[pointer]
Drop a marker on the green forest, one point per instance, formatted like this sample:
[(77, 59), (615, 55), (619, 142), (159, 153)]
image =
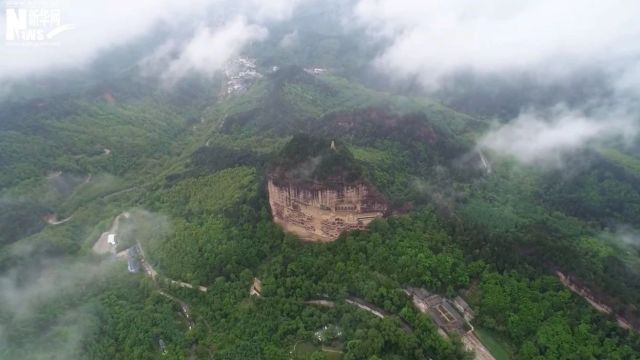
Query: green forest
[(182, 176)]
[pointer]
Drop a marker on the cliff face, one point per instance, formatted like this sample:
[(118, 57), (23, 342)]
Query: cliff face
[(322, 212)]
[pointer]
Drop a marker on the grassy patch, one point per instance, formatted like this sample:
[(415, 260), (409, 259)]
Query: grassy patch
[(303, 350), (370, 155), (627, 161), (494, 344)]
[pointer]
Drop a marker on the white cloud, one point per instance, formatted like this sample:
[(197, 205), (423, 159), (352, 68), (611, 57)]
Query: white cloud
[(628, 83), (208, 51), (548, 39), (289, 40), (627, 235), (431, 38), (271, 10), (535, 138), (101, 24)]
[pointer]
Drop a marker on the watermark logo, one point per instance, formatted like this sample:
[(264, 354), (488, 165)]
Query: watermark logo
[(31, 22)]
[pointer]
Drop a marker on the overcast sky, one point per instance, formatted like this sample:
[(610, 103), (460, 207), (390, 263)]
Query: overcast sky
[(101, 24), (428, 38), (432, 38)]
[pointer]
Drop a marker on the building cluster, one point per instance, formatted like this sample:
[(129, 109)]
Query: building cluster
[(452, 316), (316, 71), (240, 73), (328, 333), (111, 239)]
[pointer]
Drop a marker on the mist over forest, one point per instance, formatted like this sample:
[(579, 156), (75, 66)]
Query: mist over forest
[(307, 179)]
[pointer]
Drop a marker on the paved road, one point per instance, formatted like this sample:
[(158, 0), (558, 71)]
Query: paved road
[(148, 268)]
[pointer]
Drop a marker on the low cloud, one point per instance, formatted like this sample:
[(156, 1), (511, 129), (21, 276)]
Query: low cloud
[(205, 54), (289, 40), (628, 235), (272, 10), (102, 24), (208, 51), (627, 84), (35, 284), (53, 279), (545, 137), (27, 295), (144, 226), (99, 25), (429, 39)]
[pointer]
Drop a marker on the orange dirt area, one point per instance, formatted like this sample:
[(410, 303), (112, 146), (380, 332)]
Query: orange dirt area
[(108, 97)]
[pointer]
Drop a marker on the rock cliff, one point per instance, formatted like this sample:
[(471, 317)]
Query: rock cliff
[(320, 208)]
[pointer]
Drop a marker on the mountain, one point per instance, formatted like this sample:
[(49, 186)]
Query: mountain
[(302, 212), (318, 192)]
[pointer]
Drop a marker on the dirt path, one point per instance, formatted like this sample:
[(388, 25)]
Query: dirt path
[(485, 163), (132, 188), (586, 294), (362, 305), (325, 303), (187, 285), (54, 175), (52, 219), (473, 344), (153, 274), (376, 311), (121, 192), (184, 307), (148, 268)]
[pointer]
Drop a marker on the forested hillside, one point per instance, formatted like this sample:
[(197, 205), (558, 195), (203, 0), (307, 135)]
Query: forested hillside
[(177, 174)]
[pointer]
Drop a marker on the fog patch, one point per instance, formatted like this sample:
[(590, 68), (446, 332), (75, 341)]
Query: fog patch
[(5, 90), (29, 292), (33, 284), (430, 39), (103, 24), (439, 193), (289, 40), (142, 226), (25, 289), (625, 239), (545, 137), (99, 25), (628, 235), (628, 83), (305, 169), (272, 10), (205, 54)]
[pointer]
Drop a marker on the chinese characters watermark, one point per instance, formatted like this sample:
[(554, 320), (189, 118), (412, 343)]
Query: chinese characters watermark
[(33, 22)]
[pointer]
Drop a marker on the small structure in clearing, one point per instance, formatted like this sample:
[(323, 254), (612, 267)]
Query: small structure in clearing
[(464, 308), (133, 262), (440, 310), (256, 288), (452, 317)]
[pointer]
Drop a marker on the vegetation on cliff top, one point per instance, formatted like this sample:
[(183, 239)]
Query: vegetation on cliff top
[(308, 159)]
